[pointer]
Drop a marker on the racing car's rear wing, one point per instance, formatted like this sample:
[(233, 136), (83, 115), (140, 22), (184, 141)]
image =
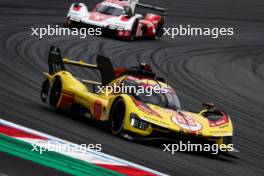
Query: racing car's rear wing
[(79, 63), (164, 11), (55, 60), (104, 66)]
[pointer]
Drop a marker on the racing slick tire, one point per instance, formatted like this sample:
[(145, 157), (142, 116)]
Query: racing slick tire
[(117, 116), (44, 91), (134, 30), (159, 30), (55, 93)]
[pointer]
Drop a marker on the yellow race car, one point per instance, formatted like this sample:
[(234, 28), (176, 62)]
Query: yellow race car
[(134, 102)]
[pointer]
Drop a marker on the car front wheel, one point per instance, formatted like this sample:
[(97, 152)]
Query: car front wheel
[(117, 116)]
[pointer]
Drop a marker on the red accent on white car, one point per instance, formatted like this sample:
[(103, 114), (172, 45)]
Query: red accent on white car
[(99, 17), (77, 7)]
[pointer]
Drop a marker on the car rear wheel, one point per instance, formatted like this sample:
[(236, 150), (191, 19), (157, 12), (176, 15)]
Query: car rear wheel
[(117, 116), (44, 91), (55, 93), (134, 30), (159, 30)]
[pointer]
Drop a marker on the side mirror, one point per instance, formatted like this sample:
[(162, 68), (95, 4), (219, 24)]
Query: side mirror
[(208, 105)]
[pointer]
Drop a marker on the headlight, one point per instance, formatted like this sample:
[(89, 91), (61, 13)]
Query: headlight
[(136, 122)]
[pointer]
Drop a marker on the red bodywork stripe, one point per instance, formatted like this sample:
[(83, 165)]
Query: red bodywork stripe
[(66, 99), (68, 92), (145, 108), (221, 121)]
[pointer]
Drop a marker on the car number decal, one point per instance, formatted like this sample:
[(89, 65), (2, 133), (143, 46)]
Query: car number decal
[(187, 123)]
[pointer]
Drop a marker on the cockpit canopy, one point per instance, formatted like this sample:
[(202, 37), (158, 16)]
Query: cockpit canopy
[(153, 92), (113, 10)]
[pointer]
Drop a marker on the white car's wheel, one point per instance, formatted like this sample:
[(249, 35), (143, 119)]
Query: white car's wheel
[(134, 30), (159, 30)]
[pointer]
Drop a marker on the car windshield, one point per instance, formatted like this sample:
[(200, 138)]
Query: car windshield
[(166, 98), (109, 10)]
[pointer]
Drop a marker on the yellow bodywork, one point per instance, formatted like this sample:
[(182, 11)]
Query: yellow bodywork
[(163, 120)]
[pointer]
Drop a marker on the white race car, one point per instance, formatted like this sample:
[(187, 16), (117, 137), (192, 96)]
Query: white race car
[(118, 18)]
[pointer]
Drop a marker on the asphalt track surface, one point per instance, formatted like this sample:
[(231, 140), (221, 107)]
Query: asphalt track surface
[(11, 166), (228, 71)]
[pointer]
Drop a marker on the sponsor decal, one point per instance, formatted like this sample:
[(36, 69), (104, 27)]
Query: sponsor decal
[(97, 109)]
